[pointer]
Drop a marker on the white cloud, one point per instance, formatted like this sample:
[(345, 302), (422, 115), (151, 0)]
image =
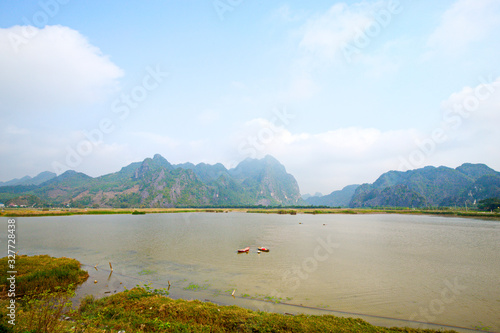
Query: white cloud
[(329, 160), (464, 23), (470, 121), (346, 34), (327, 35), (56, 68), (37, 150), (474, 112)]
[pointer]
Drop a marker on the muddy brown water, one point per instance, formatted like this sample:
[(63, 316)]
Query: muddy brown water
[(391, 270)]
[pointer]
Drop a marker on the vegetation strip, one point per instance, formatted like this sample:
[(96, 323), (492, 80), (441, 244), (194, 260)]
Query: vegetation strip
[(40, 273), (30, 212), (139, 309)]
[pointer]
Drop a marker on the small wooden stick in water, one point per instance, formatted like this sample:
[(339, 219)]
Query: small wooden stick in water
[(110, 266), (96, 267), (233, 293)]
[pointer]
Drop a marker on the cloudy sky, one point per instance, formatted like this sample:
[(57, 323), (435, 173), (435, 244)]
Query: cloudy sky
[(339, 92)]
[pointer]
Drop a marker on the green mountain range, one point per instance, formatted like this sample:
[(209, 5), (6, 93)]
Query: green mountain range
[(155, 182), (425, 187), (430, 187), (340, 198), (27, 180)]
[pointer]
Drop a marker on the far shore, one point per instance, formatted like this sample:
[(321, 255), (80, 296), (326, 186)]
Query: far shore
[(450, 212)]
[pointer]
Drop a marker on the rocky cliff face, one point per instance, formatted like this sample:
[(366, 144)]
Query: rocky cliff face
[(267, 182), (430, 186), (155, 182)]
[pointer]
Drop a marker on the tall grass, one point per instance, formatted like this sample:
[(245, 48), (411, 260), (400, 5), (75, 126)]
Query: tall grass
[(41, 273), (44, 286), (30, 212), (42, 312)]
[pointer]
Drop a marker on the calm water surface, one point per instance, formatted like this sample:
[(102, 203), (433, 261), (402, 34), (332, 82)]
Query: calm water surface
[(418, 268)]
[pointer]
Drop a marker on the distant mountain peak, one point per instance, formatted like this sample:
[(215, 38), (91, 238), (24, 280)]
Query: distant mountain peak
[(161, 161), (476, 171), (270, 158), (187, 165), (429, 186), (158, 157), (27, 180), (70, 174), (340, 198), (155, 182)]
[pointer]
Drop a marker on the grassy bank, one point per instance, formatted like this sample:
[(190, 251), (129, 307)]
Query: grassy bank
[(438, 212), (38, 298), (30, 212), (143, 309), (37, 274), (138, 310), (27, 212)]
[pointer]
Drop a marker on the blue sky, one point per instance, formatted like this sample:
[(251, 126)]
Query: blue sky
[(339, 92)]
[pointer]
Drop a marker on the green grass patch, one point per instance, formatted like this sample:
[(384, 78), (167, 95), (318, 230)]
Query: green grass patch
[(196, 287), (33, 212), (146, 272), (440, 211), (273, 211), (41, 273), (273, 299)]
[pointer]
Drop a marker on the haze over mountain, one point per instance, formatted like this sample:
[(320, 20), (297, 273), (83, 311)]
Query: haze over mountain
[(27, 180), (424, 187), (155, 182), (340, 198), (430, 186)]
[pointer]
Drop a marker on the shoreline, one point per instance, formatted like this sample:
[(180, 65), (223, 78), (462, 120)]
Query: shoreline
[(146, 309), (253, 304), (30, 212), (108, 291)]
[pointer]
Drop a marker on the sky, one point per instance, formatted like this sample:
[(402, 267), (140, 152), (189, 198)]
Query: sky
[(338, 91)]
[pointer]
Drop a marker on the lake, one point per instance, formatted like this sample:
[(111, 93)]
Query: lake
[(392, 270)]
